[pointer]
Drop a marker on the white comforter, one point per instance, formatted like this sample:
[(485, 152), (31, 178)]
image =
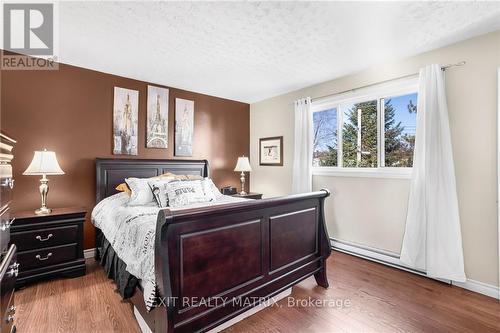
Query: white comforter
[(131, 232)]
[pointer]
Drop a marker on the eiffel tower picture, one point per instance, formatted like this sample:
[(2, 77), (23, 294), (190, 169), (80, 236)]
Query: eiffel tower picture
[(157, 118), (125, 121)]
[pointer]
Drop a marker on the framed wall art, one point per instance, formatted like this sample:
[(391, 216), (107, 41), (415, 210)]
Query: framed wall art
[(271, 151), (184, 127), (157, 118), (125, 114)]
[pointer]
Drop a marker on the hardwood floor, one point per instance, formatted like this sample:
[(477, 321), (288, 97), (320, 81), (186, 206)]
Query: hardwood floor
[(85, 304), (373, 298)]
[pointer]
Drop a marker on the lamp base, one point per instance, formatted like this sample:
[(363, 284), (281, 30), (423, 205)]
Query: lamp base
[(242, 179), (43, 211), (44, 190)]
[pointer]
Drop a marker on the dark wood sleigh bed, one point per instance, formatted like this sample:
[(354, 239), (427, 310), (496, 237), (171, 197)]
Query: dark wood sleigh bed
[(238, 252)]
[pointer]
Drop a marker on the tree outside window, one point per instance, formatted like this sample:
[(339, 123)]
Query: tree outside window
[(361, 136)]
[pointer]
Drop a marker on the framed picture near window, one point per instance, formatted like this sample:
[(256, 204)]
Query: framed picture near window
[(271, 151)]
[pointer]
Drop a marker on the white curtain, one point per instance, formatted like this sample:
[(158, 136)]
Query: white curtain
[(433, 240), (302, 157)]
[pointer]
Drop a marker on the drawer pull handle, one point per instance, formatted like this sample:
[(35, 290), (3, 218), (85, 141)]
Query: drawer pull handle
[(14, 269), (11, 183), (44, 239), (42, 259)]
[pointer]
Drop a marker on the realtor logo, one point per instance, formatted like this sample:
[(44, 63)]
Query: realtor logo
[(29, 32), (29, 28)]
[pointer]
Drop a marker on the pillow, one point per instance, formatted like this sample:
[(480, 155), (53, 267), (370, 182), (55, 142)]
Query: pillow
[(141, 192), (194, 177), (182, 177), (168, 174), (159, 189), (211, 191), (123, 188), (184, 193)]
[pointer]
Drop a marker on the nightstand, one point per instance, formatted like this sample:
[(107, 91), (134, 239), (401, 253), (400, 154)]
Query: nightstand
[(48, 245), (249, 195)]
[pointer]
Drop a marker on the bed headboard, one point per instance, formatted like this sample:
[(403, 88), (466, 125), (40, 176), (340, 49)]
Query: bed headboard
[(112, 171)]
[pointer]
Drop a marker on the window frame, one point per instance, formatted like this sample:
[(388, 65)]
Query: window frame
[(378, 92)]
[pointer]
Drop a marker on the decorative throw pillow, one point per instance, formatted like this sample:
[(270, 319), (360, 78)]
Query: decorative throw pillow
[(159, 189), (211, 191), (124, 188), (184, 193), (141, 192)]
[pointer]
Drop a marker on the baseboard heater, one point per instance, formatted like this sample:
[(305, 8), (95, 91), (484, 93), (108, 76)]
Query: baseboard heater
[(381, 256)]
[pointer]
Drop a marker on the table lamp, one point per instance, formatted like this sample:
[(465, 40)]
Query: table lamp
[(242, 166), (44, 163)]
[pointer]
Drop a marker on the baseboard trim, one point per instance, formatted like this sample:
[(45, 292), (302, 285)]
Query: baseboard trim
[(366, 252), (479, 287), (89, 253), (392, 259)]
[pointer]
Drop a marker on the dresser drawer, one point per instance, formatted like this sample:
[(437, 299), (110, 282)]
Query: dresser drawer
[(47, 256), (5, 222), (8, 273), (41, 238)]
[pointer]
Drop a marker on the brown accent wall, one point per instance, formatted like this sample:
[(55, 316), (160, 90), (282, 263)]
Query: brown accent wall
[(70, 111)]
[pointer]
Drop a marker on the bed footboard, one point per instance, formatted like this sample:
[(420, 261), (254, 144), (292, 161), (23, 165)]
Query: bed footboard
[(214, 263)]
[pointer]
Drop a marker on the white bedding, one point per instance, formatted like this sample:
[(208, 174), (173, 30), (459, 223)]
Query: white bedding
[(131, 232)]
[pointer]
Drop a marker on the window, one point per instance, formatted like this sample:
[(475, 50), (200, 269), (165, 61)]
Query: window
[(359, 131), (325, 138), (400, 124), (366, 130)]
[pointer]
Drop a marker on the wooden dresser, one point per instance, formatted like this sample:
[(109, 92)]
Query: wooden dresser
[(6, 187), (49, 245), (8, 265)]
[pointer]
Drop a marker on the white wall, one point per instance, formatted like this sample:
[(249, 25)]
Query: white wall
[(372, 211)]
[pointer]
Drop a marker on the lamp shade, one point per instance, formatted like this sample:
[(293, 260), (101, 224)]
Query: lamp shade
[(44, 163), (243, 164)]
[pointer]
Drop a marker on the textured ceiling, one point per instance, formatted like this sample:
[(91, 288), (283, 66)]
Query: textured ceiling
[(249, 51)]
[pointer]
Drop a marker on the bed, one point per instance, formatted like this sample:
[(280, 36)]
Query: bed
[(241, 253)]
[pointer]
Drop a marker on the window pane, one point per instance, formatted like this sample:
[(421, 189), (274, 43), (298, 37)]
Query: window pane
[(325, 138), (359, 135), (400, 127)]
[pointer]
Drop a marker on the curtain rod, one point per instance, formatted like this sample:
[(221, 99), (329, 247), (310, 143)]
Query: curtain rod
[(443, 68)]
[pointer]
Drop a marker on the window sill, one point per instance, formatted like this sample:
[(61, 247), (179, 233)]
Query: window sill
[(394, 173)]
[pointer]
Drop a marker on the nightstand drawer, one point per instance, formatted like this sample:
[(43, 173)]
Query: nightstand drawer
[(27, 240), (46, 256)]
